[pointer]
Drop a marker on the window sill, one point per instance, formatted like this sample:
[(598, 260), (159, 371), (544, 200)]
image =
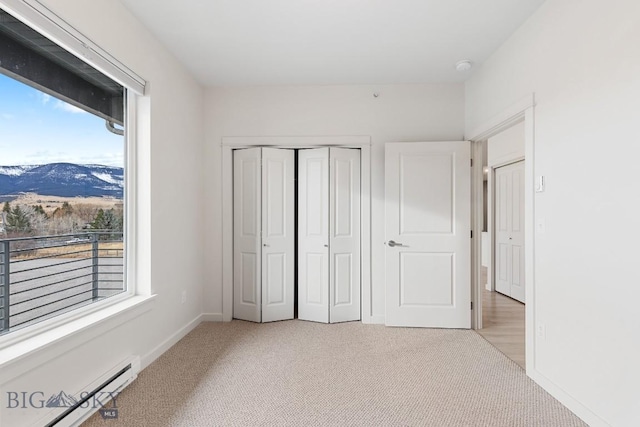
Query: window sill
[(123, 311)]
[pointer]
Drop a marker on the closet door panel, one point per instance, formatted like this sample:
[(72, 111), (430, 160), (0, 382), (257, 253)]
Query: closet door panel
[(278, 231), (313, 235), (247, 257), (344, 235)]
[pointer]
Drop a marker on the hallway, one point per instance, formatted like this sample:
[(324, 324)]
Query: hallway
[(503, 321)]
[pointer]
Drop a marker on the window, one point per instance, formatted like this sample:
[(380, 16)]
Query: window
[(62, 177)]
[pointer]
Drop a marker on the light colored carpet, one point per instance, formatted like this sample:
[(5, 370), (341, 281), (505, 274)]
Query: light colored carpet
[(297, 373)]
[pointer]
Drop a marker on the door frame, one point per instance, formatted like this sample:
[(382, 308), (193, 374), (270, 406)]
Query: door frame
[(521, 110), (231, 143)]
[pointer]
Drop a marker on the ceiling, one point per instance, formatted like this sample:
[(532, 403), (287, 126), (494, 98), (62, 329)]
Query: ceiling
[(276, 42)]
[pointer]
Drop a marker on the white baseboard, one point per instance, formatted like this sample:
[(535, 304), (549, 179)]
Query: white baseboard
[(376, 320), (148, 358), (212, 317), (584, 413)]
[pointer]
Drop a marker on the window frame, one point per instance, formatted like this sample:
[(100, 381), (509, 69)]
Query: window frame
[(47, 23)]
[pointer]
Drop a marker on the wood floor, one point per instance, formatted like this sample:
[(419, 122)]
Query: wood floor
[(503, 321)]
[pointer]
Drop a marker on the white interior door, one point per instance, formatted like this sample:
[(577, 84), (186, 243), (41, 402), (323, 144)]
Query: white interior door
[(329, 235), (509, 246), (247, 255), (313, 235), (344, 235), (427, 219), (278, 234), (263, 234)]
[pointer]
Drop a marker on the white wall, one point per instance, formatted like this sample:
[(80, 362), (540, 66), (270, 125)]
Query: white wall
[(506, 146), (399, 113), (581, 59), (170, 259)]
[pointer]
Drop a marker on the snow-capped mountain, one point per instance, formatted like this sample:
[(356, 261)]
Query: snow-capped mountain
[(62, 179), (14, 170)]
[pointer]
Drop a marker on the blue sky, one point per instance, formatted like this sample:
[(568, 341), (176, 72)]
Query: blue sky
[(36, 129)]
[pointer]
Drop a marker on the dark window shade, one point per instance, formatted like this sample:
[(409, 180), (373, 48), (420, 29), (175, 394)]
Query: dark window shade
[(33, 59)]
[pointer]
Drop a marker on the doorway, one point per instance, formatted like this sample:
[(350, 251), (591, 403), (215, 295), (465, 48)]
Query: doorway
[(502, 280)]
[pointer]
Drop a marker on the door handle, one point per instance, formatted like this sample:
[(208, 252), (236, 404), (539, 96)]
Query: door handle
[(265, 245), (392, 244), (326, 246)]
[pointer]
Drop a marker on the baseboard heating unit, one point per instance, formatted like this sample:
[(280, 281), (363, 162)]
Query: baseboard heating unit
[(95, 397)]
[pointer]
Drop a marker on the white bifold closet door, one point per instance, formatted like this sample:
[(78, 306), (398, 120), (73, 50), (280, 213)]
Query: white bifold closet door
[(329, 235), (509, 234), (263, 230)]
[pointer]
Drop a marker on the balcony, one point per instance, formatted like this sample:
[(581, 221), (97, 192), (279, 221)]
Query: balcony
[(42, 277)]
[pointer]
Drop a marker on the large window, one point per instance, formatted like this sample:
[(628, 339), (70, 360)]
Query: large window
[(62, 179)]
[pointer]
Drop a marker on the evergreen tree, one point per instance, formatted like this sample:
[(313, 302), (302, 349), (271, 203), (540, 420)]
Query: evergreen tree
[(107, 220), (98, 221), (6, 208), (17, 220)]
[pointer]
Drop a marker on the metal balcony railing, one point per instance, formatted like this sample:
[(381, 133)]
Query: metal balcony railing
[(42, 277)]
